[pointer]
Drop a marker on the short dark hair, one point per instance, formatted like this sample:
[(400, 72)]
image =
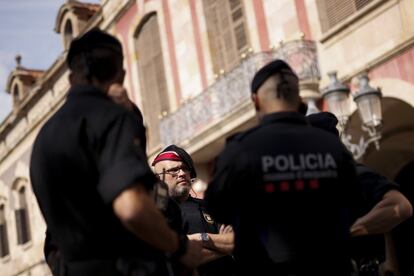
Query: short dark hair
[(270, 69), (95, 54), (281, 71), (287, 90)]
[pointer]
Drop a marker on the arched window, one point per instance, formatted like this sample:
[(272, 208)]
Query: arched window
[(151, 70), (226, 29), (16, 94), (4, 240), (22, 217), (333, 12), (68, 33)]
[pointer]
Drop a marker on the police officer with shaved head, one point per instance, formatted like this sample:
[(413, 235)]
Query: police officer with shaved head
[(287, 188)]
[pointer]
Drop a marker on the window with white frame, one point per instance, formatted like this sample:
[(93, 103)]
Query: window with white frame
[(22, 216)]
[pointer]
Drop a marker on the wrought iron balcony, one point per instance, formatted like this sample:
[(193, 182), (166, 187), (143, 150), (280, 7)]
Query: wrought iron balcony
[(232, 90)]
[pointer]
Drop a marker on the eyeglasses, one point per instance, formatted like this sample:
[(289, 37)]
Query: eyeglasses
[(175, 171)]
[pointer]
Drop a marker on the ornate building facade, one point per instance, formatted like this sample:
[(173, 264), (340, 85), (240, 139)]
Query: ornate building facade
[(189, 64)]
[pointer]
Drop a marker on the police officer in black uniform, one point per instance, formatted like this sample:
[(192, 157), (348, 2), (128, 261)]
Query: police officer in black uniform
[(287, 188), (176, 167), (91, 178), (383, 208)]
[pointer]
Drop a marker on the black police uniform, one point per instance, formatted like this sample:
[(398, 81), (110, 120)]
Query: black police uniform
[(368, 250), (288, 190), (83, 158), (403, 234), (197, 220)]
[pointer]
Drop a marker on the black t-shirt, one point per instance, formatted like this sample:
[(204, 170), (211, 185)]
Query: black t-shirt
[(195, 217), (83, 158), (197, 220), (289, 190)]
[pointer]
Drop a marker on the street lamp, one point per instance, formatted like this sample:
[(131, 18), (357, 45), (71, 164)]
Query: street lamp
[(336, 96), (368, 101)]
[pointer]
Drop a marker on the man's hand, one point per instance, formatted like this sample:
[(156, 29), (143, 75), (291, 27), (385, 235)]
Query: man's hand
[(119, 95), (225, 229)]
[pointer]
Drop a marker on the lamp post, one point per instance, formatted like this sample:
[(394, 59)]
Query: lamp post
[(368, 101), (336, 96)]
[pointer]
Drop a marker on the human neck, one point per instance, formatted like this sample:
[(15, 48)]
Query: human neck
[(104, 87), (274, 108)]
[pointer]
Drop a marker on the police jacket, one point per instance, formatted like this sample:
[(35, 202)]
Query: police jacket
[(288, 189), (83, 158)]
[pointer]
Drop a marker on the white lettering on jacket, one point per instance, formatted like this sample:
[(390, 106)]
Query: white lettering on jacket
[(301, 162)]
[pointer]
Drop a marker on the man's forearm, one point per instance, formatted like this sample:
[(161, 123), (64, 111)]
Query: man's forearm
[(388, 213), (220, 243), (223, 243), (139, 214)]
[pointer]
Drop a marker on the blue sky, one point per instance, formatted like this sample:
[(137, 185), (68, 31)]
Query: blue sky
[(27, 28)]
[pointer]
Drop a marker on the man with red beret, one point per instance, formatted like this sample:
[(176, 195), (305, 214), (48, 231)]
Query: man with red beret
[(175, 166)]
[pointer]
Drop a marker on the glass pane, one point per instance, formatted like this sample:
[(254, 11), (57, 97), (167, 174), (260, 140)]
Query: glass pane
[(19, 227), (4, 242), (22, 225), (369, 107), (241, 38), (338, 104)]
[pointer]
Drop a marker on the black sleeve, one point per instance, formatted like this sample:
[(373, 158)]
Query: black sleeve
[(138, 114), (49, 246), (121, 160), (374, 186), (173, 215), (225, 192), (353, 193)]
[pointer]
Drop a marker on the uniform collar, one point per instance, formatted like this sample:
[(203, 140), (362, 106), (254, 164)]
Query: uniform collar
[(86, 90), (284, 117)]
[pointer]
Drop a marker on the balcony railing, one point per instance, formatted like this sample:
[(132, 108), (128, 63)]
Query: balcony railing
[(232, 90)]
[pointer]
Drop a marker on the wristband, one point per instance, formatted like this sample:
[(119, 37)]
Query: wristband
[(204, 237)]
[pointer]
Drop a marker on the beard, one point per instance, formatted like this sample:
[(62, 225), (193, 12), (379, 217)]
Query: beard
[(180, 193)]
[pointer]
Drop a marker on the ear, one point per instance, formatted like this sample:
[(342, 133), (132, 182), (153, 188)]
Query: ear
[(255, 100)]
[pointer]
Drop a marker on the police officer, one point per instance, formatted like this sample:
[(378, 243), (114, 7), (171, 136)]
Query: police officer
[(384, 207), (286, 188), (175, 166), (91, 178)]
